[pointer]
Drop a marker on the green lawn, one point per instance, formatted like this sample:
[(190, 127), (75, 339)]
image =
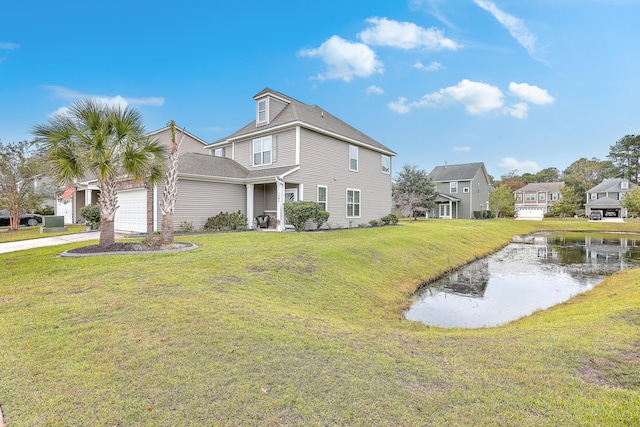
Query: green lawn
[(286, 329), (27, 233)]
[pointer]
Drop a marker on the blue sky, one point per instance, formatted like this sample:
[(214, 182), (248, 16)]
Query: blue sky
[(520, 85)]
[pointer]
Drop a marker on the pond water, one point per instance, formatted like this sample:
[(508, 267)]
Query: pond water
[(539, 272)]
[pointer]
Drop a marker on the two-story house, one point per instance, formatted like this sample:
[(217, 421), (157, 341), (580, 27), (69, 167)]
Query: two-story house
[(290, 151), (461, 190), (293, 151), (605, 197), (534, 200)]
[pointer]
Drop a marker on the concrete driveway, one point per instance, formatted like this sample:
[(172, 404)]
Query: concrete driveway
[(52, 241)]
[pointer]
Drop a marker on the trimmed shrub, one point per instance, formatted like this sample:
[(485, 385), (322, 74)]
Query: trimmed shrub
[(319, 218), (391, 219), (91, 214), (298, 213), (374, 223), (227, 221)]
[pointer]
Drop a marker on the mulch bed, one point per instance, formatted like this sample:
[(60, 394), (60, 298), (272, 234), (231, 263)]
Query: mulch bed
[(128, 247)]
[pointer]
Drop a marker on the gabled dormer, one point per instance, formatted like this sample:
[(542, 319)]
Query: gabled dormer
[(268, 106)]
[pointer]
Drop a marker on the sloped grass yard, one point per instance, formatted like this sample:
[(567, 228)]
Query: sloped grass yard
[(305, 329)]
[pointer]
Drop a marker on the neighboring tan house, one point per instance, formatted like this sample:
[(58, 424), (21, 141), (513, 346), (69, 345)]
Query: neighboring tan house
[(534, 200), (462, 189), (290, 151), (293, 151), (137, 202), (605, 197)]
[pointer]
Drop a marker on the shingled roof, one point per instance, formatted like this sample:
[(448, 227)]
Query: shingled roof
[(463, 172), (206, 166), (309, 116), (552, 187)]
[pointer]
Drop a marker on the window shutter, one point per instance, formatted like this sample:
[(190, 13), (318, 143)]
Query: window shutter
[(250, 153), (274, 149)]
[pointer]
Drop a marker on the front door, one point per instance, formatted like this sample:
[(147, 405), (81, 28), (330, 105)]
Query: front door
[(445, 210)]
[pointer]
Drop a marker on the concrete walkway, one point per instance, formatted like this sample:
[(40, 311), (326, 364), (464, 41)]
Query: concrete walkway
[(52, 241)]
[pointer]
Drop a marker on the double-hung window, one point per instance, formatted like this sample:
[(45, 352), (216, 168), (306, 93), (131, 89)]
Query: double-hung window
[(262, 111), (353, 158), (322, 197), (353, 203), (453, 187), (530, 197), (262, 151), (386, 164)]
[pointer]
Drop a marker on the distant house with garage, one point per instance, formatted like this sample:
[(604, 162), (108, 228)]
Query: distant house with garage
[(289, 151), (606, 196), (461, 190), (534, 200)]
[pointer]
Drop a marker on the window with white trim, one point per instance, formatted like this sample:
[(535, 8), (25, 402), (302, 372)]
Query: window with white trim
[(386, 164), (219, 152), (541, 196), (624, 185), (530, 197), (519, 196), (322, 197), (262, 151), (594, 196), (353, 203), (262, 111), (353, 158), (465, 189), (453, 187)]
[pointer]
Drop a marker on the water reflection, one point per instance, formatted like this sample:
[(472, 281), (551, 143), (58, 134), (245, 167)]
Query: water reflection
[(524, 277)]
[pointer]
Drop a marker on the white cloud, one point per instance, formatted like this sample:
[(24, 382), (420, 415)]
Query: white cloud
[(66, 93), (344, 59), (374, 90), (405, 35), (434, 66), (118, 100), (526, 166), (476, 97), (531, 93), (462, 149), (518, 111), (514, 25), (8, 46), (400, 106)]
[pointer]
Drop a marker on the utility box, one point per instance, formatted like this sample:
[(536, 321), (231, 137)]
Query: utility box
[(53, 224), (53, 221)]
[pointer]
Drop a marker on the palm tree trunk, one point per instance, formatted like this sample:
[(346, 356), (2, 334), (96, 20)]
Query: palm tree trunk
[(108, 205), (170, 191)]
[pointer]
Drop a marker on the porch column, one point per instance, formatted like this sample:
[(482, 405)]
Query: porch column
[(280, 205), (250, 206), (87, 196), (450, 209)]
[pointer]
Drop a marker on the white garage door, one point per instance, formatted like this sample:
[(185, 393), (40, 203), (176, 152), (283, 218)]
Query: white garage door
[(531, 214), (132, 213)]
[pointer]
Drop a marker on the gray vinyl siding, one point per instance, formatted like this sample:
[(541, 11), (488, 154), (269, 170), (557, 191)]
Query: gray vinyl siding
[(275, 106), (188, 144), (325, 161), (265, 198), (199, 200), (285, 150), (469, 202)]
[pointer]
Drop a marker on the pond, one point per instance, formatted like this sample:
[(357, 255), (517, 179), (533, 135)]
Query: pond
[(537, 272)]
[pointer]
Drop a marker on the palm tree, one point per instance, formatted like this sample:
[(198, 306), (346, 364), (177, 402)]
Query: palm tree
[(107, 142)]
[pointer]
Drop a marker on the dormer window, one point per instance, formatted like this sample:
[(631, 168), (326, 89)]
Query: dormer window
[(262, 111), (624, 185)]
